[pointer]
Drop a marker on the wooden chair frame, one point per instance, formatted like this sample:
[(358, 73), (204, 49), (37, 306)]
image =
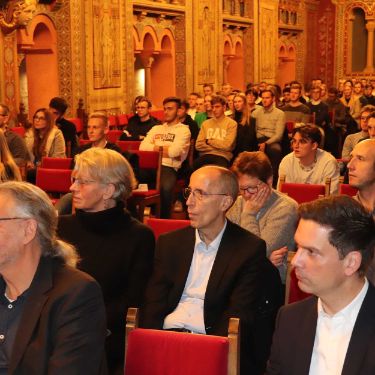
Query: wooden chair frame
[(233, 338)]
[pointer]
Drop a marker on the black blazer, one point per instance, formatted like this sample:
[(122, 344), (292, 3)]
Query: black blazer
[(233, 287), (294, 338), (62, 329)]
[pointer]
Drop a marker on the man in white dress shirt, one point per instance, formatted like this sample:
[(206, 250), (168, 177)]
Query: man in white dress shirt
[(211, 271), (332, 332)]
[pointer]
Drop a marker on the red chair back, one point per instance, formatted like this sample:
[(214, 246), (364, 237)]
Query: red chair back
[(78, 124), (54, 180), (159, 114), (128, 145), (83, 142), (113, 135), (112, 121), (20, 130), (147, 159), (290, 126), (346, 189), (160, 226), (56, 163), (180, 353), (122, 120), (303, 192)]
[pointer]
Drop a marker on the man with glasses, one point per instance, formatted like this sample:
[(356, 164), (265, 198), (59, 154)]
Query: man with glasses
[(16, 144), (352, 139), (52, 316), (141, 123), (308, 164), (208, 272)]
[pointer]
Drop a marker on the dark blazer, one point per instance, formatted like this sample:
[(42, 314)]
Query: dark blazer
[(233, 287), (295, 335), (62, 329)]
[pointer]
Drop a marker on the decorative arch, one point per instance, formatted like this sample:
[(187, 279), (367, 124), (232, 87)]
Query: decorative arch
[(234, 68), (286, 71), (38, 72)]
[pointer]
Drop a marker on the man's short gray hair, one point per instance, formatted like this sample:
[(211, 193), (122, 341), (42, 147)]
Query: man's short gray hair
[(33, 203)]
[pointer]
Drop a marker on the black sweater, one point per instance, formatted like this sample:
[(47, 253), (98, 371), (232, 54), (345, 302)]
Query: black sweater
[(117, 250)]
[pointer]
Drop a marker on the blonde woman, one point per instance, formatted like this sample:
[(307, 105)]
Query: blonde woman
[(8, 168)]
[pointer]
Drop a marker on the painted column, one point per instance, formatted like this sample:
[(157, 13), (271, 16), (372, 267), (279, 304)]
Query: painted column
[(370, 26)]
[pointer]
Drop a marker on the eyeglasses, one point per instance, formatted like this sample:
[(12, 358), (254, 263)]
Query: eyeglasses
[(250, 189), (37, 118), (198, 194), (81, 181)]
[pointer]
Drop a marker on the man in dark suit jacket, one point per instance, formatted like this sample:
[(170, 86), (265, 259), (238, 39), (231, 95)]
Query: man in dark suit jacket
[(212, 272), (333, 333), (52, 316)]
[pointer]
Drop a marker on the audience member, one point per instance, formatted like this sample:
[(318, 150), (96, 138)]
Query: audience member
[(174, 138), (262, 210), (285, 98), (352, 139), (58, 107), (44, 138), (52, 315), (270, 126), (193, 104), (186, 119), (251, 98), (367, 98), (371, 126), (208, 89), (217, 137), (335, 105), (205, 112), (296, 111), (209, 272), (16, 144), (114, 248), (350, 102), (8, 167), (230, 105), (246, 139), (357, 90), (226, 89), (308, 164), (141, 123), (329, 333)]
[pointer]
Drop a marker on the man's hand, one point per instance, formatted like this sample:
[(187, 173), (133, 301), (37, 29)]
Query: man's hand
[(257, 200), (277, 256)]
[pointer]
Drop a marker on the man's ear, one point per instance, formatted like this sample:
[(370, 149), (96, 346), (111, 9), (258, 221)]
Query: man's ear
[(352, 262), (30, 227), (109, 190), (226, 202)]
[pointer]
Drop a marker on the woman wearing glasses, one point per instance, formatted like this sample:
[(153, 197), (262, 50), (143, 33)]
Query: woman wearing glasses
[(8, 167), (114, 248), (262, 210), (44, 138)]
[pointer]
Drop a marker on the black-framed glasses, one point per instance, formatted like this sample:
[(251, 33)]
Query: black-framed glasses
[(37, 118), (198, 194), (249, 189)]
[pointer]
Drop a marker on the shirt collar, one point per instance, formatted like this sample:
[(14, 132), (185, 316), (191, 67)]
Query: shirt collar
[(214, 245), (350, 311)]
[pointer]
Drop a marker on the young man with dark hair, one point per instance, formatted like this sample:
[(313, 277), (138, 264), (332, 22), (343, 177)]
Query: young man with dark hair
[(141, 123), (295, 110), (192, 100), (58, 107), (332, 331), (174, 139), (308, 164)]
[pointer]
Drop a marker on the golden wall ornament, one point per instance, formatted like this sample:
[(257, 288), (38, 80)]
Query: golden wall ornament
[(16, 14)]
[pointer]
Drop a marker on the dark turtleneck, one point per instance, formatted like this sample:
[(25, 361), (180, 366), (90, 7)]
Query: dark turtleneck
[(117, 250)]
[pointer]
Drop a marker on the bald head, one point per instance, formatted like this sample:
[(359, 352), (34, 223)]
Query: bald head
[(362, 165)]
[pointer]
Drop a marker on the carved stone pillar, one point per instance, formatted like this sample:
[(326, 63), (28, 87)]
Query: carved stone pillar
[(147, 63), (226, 62), (370, 26)]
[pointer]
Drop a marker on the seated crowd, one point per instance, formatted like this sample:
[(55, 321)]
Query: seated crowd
[(68, 279)]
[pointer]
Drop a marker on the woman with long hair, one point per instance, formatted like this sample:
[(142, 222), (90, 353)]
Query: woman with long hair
[(246, 134), (8, 168), (44, 138)]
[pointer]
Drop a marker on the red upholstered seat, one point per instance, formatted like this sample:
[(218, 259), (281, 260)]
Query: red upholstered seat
[(160, 226), (346, 189), (56, 163), (20, 130), (113, 135), (53, 180), (159, 114), (78, 124), (128, 145), (147, 193), (122, 120), (112, 121), (152, 352)]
